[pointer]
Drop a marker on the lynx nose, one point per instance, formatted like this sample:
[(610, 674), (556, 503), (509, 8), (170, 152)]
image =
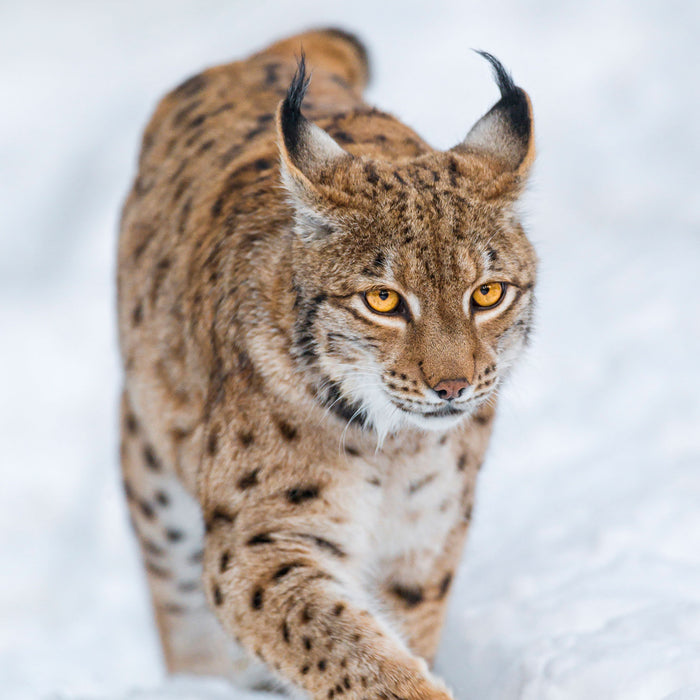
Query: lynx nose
[(449, 389)]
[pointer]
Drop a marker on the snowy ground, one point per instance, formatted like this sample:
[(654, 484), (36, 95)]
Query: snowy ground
[(582, 575)]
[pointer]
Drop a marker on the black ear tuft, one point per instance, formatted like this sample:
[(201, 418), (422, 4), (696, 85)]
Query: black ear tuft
[(513, 103), (291, 117)]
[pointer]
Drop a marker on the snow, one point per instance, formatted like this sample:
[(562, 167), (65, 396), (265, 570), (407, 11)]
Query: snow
[(581, 577)]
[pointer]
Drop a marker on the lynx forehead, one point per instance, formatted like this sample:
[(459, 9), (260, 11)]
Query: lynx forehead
[(316, 310)]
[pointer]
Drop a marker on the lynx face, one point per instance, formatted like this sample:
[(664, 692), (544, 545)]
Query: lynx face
[(414, 282)]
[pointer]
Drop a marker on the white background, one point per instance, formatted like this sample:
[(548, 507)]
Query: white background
[(581, 578)]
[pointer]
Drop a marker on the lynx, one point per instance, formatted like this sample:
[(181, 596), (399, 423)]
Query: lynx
[(316, 312)]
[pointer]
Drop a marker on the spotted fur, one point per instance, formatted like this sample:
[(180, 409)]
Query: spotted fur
[(300, 483)]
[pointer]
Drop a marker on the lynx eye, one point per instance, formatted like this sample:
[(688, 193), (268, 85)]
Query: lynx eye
[(488, 295), (383, 301)]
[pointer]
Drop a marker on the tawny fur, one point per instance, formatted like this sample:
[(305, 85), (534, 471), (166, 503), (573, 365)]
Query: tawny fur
[(299, 510)]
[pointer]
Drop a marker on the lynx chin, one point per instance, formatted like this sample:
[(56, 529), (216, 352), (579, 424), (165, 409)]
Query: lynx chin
[(316, 311)]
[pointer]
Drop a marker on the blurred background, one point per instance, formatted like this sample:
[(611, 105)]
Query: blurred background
[(581, 577)]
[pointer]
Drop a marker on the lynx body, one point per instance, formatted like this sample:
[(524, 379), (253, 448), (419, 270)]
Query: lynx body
[(311, 362)]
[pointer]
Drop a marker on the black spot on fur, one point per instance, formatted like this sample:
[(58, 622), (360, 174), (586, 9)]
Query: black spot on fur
[(150, 458), (196, 557), (416, 486), (299, 494), (184, 216), (288, 432), (188, 586), (152, 547), (249, 135), (184, 112), (224, 561), (453, 171), (262, 164), (338, 609), (481, 419), (308, 643), (322, 664), (173, 609), (162, 498), (305, 669), (410, 595), (304, 339), (260, 538), (217, 207), (157, 571), (249, 480), (352, 451), (461, 463), (197, 121), (246, 438), (343, 137), (191, 86), (131, 423), (181, 189), (147, 510), (220, 516), (207, 145), (256, 601), (174, 535), (323, 543), (285, 631), (129, 490), (445, 585), (371, 173), (230, 154), (217, 595), (306, 615), (226, 107), (285, 569), (213, 442), (399, 178), (271, 74), (137, 314)]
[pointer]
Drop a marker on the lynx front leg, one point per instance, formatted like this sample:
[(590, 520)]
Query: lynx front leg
[(282, 573), (419, 601), (169, 527), (298, 611)]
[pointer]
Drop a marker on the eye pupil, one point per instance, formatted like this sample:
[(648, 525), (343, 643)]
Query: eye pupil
[(485, 289), (384, 294)]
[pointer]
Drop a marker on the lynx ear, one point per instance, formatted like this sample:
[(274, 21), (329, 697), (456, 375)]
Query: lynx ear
[(306, 150), (506, 130)]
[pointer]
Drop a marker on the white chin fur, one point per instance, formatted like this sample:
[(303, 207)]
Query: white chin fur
[(437, 423)]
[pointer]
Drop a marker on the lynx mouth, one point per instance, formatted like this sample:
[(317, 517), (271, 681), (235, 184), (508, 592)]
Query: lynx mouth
[(443, 412)]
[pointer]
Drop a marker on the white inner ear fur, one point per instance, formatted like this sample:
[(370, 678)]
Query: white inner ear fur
[(319, 147), (309, 223), (493, 134)]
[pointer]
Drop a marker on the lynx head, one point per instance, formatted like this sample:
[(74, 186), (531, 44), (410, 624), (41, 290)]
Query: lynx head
[(414, 278)]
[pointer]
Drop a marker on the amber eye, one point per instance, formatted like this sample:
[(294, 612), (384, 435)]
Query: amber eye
[(488, 295), (383, 301)]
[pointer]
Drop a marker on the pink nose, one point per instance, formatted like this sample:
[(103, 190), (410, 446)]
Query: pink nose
[(449, 389)]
